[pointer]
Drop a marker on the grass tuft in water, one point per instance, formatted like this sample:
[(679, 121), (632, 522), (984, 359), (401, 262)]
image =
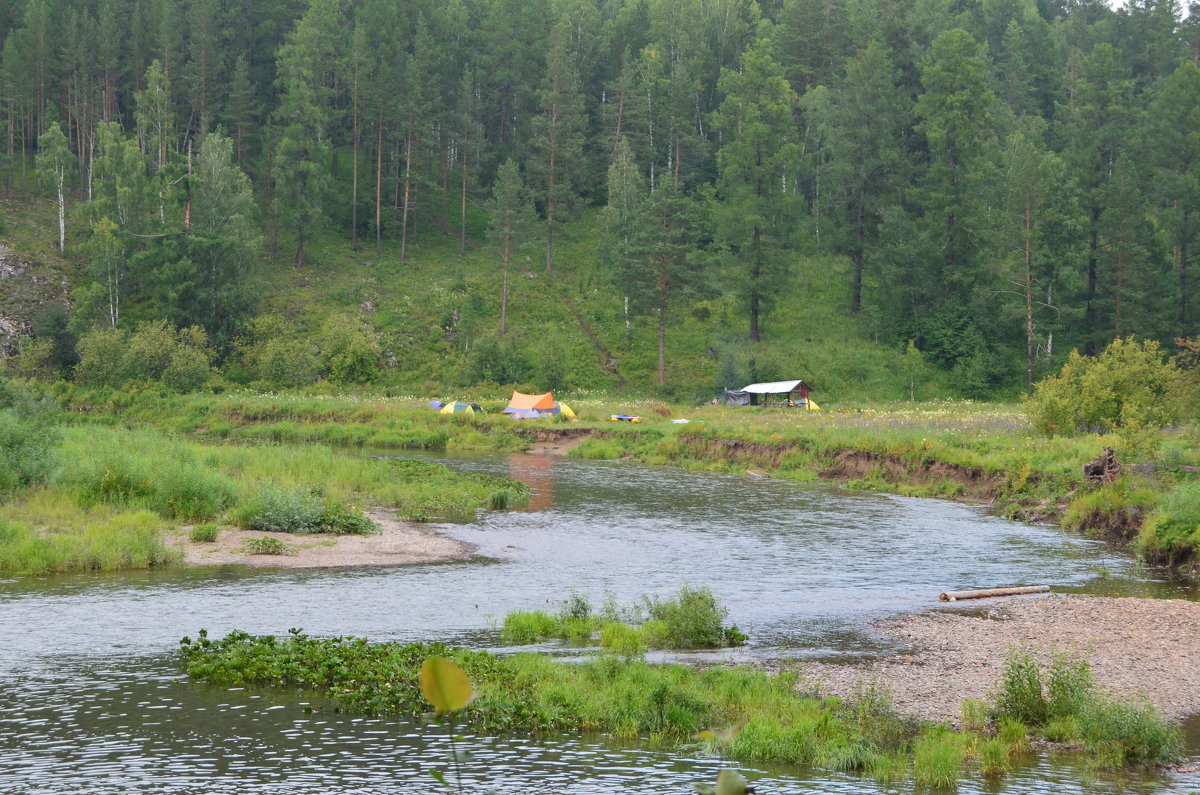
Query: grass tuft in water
[(938, 758), (994, 758)]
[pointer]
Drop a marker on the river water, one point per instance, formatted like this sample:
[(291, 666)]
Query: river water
[(92, 699)]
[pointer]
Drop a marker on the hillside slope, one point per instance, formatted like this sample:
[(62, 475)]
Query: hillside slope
[(437, 318)]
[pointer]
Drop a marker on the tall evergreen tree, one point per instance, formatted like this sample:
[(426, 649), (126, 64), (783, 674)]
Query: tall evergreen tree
[(555, 163), (1035, 230), (955, 118), (626, 194), (1095, 124), (1175, 130), (206, 286), (662, 272), (512, 225), (1134, 261), (756, 216), (301, 158), (867, 127)]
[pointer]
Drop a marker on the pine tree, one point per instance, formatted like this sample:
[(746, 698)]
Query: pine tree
[(301, 167), (663, 271), (866, 132), (1036, 231), (757, 166), (221, 249), (512, 225), (1175, 127), (556, 158), (626, 194)]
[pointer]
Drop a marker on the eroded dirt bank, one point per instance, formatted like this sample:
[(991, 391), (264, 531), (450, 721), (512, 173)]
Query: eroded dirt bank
[(1135, 647)]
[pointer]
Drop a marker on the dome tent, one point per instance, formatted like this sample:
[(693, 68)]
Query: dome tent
[(526, 407), (458, 407)]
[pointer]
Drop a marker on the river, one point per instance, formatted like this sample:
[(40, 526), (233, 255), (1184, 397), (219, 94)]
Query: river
[(92, 699)]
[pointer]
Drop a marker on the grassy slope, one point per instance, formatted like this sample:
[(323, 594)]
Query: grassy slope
[(810, 334)]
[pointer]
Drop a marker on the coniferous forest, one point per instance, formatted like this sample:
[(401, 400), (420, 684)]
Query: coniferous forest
[(981, 185)]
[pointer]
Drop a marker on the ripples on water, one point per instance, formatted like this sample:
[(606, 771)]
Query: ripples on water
[(91, 700)]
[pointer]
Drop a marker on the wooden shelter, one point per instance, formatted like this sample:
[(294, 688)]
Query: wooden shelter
[(786, 393)]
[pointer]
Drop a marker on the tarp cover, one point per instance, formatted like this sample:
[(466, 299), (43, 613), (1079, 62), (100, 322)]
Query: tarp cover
[(774, 387), (522, 401)]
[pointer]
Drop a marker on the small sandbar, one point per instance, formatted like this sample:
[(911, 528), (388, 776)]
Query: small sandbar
[(1136, 647), (398, 543)]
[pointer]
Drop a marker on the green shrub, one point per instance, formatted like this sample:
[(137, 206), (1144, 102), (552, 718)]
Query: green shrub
[(264, 545), (204, 533), (690, 620), (342, 520), (118, 541), (302, 512), (29, 437), (154, 352), (1021, 695), (163, 476), (27, 452), (1070, 689), (288, 510), (102, 357), (1129, 386)]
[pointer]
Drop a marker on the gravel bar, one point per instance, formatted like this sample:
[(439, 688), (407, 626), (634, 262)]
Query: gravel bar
[(1136, 647)]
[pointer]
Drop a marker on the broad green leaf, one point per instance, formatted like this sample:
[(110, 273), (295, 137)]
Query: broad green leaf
[(437, 774), (445, 685), (731, 782)]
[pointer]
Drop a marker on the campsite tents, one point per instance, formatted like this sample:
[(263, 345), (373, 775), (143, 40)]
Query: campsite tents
[(796, 393), (525, 407)]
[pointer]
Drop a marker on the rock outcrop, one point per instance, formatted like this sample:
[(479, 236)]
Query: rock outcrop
[(26, 286)]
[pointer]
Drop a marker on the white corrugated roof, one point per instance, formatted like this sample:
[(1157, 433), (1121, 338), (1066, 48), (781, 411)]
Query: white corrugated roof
[(773, 387)]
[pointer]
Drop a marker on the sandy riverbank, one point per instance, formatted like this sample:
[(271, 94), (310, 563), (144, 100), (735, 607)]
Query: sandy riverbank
[(1136, 647), (398, 543)]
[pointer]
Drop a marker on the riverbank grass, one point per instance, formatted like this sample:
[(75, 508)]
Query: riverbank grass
[(116, 491), (46, 533)]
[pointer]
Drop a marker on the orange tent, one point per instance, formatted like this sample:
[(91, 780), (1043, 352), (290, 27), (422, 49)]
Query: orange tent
[(525, 402)]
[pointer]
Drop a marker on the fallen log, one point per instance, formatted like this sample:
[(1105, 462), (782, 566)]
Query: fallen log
[(953, 596)]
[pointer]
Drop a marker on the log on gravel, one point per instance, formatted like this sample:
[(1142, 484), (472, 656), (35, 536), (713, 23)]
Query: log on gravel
[(953, 596)]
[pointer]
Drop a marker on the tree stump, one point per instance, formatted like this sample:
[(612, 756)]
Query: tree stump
[(1103, 470)]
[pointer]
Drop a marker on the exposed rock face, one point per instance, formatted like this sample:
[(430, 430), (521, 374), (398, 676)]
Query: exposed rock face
[(26, 285)]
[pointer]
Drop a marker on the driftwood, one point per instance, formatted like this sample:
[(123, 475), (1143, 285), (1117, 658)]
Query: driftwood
[(953, 596), (1103, 470)]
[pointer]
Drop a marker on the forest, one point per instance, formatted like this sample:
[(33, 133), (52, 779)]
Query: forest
[(989, 183)]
